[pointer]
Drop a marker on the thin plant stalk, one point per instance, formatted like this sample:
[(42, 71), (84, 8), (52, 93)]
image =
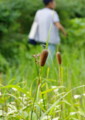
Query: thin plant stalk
[(38, 89), (35, 94)]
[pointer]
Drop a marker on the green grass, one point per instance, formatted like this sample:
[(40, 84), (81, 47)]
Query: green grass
[(21, 98)]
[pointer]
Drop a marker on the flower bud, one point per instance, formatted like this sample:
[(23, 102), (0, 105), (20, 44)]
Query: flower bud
[(59, 59), (43, 57)]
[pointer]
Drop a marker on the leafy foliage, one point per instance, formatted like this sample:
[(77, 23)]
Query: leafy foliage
[(21, 97), (76, 34), (17, 16)]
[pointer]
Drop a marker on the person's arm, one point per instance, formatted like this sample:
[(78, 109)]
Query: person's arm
[(61, 28)]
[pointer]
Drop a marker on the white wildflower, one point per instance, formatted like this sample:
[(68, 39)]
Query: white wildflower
[(0, 94), (24, 99), (12, 103), (11, 109), (2, 113), (40, 101), (14, 89), (73, 113), (46, 117), (56, 118), (77, 96), (84, 94), (55, 89), (24, 95)]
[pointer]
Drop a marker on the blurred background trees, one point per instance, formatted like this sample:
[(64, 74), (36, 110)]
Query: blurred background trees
[(16, 17)]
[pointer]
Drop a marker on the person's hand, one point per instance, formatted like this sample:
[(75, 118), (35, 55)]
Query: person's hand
[(61, 28)]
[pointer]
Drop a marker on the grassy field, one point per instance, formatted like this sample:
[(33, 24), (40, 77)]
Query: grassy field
[(31, 92), (22, 98)]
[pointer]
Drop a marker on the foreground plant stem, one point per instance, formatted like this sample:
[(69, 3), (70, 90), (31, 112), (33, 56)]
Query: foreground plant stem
[(38, 89), (60, 82), (35, 94), (39, 86)]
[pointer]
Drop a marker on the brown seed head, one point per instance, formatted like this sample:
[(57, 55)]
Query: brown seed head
[(43, 57), (59, 58)]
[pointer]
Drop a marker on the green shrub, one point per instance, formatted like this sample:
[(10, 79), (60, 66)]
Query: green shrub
[(76, 34), (3, 64), (17, 16)]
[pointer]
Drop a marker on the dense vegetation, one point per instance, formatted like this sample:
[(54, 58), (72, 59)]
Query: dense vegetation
[(16, 18), (21, 98)]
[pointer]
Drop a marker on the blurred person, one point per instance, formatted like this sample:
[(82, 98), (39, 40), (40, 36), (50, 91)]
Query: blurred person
[(48, 27)]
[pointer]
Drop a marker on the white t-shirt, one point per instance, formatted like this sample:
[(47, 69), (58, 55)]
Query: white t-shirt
[(47, 31)]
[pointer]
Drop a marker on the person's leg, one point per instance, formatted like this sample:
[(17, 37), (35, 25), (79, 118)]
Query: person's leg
[(52, 52)]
